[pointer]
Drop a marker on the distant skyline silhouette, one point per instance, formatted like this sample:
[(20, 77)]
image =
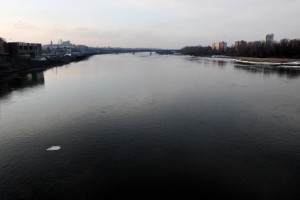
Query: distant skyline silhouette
[(148, 23)]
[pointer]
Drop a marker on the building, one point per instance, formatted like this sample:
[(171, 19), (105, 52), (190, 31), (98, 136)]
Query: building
[(61, 48), (65, 48), (270, 39), (240, 45), (66, 43), (215, 46), (3, 47), (31, 50), (222, 46), (219, 46)]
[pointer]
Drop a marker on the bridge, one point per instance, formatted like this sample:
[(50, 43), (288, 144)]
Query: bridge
[(136, 50)]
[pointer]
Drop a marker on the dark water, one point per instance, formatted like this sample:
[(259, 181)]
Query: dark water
[(150, 126)]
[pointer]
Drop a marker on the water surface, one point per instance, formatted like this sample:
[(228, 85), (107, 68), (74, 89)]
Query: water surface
[(150, 125)]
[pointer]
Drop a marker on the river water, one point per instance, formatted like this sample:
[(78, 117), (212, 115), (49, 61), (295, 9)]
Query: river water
[(150, 125)]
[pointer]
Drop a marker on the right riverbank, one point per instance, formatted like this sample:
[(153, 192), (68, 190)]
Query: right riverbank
[(270, 60)]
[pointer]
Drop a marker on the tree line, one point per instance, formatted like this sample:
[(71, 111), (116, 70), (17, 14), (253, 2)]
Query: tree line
[(284, 48)]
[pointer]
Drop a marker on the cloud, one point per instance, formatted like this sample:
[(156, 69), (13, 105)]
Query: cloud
[(167, 23)]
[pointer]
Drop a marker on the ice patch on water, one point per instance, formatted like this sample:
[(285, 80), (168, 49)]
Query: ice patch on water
[(288, 64), (54, 148), (294, 63), (257, 63)]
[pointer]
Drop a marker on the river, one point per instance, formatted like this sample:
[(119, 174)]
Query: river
[(150, 125)]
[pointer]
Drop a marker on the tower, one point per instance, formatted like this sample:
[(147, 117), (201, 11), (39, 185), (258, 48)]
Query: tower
[(270, 39)]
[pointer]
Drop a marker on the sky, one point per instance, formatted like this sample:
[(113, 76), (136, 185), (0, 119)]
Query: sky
[(148, 23)]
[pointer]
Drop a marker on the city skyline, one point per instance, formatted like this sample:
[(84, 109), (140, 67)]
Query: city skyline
[(145, 23)]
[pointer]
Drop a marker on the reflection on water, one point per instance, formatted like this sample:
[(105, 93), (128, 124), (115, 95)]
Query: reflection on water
[(149, 125), (208, 61), (21, 82), (219, 63)]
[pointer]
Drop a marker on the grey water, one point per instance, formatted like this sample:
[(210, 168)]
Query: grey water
[(150, 125)]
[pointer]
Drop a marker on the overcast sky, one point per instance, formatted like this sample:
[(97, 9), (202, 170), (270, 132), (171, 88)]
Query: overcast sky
[(148, 23)]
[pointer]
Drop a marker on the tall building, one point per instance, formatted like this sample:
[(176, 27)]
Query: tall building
[(220, 46), (269, 39), (3, 47), (215, 46), (240, 44)]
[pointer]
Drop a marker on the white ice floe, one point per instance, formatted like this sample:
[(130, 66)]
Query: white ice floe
[(288, 64), (294, 63), (257, 63), (54, 148)]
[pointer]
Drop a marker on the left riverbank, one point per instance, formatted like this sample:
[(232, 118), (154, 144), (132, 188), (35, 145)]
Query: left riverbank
[(11, 66)]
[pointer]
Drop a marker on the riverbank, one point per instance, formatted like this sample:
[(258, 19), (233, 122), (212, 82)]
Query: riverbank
[(11, 66), (282, 63), (270, 60)]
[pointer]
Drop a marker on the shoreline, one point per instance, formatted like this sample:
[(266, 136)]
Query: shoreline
[(18, 66), (284, 63), (10, 68), (269, 60)]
